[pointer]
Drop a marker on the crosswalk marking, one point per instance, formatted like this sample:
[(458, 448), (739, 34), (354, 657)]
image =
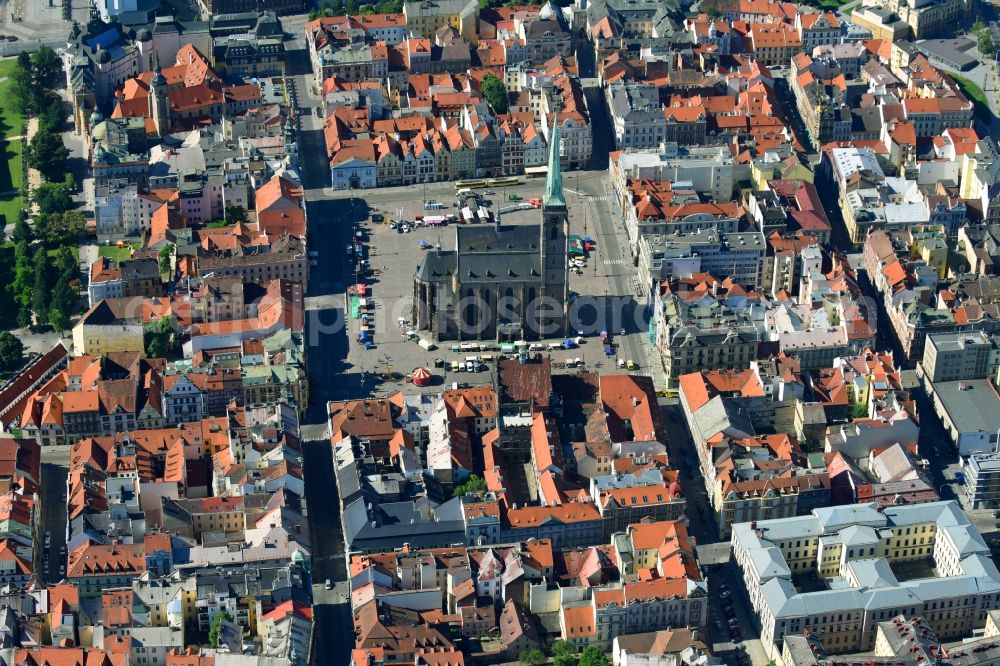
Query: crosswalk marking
[(614, 262), (592, 197)]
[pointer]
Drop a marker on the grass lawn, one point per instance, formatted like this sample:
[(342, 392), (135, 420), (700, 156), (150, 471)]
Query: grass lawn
[(976, 95), (117, 253), (10, 207), (75, 249), (7, 66), (10, 179), (11, 124), (11, 120), (10, 153), (829, 5)]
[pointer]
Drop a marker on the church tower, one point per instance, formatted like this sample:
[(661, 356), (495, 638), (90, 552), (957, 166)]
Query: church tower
[(159, 106), (555, 234)]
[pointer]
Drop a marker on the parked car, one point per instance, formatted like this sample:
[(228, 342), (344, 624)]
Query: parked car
[(328, 584), (726, 595)]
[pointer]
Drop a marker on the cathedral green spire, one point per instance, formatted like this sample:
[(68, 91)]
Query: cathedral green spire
[(553, 180)]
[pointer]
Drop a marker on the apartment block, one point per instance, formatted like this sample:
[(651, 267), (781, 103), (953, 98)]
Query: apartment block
[(865, 545)]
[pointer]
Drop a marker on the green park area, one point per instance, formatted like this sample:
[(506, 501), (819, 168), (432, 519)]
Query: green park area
[(827, 5), (976, 96), (11, 125), (118, 253)]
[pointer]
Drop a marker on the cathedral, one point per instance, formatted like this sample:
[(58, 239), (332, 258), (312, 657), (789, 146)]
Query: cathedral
[(500, 283)]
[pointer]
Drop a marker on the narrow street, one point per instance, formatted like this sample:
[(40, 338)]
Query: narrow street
[(713, 553), (333, 636), (53, 498), (330, 224), (55, 470)]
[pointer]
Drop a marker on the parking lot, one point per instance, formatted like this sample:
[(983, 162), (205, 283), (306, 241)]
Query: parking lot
[(393, 255)]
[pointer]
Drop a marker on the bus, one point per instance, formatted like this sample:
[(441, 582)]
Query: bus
[(503, 182), (475, 183)]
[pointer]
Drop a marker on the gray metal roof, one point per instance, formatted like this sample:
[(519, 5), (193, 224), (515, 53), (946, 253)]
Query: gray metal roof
[(858, 535), (879, 588), (966, 539), (776, 593), (837, 517), (769, 563), (873, 572), (946, 513), (505, 240), (931, 589), (972, 405), (980, 566), (787, 528), (437, 266), (826, 601), (722, 415), (389, 525), (488, 254)]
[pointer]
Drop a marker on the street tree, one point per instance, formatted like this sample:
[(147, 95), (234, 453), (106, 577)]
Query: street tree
[(496, 93), (11, 351), (48, 154), (41, 296), (213, 631), (593, 656), (52, 198), (235, 214), (532, 657), (24, 93), (20, 287), (474, 485), (22, 230), (52, 115), (563, 654), (46, 67)]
